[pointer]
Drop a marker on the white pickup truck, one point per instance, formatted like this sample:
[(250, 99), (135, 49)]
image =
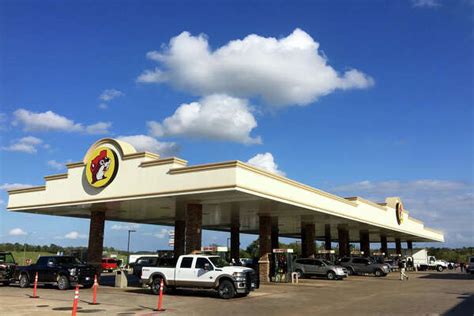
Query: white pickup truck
[(201, 271)]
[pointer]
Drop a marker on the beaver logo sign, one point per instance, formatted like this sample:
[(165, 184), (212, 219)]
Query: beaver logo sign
[(101, 168), (399, 212)]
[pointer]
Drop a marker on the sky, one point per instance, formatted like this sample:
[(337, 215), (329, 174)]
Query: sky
[(367, 98)]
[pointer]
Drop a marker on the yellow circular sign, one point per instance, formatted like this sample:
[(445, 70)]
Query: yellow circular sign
[(399, 212), (101, 167)]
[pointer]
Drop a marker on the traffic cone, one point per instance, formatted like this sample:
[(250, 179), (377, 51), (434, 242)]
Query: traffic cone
[(94, 295), (76, 300), (160, 299), (35, 286)]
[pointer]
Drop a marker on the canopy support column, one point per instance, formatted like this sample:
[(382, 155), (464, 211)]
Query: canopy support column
[(235, 234), (265, 247), (179, 231), (96, 240), (398, 246), (193, 227)]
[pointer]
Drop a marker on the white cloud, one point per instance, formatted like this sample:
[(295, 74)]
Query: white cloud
[(57, 165), (426, 3), (443, 204), (99, 128), (110, 94), (283, 72), (103, 106), (27, 145), (266, 162), (125, 227), (148, 143), (50, 121), (46, 121), (75, 235), (218, 117), (14, 186), (17, 232), (163, 233)]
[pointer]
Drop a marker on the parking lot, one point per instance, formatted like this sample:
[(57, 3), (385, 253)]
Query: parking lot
[(450, 293)]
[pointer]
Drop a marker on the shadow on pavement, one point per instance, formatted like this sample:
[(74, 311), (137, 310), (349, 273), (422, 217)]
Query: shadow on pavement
[(108, 279), (466, 307), (179, 292), (448, 276)]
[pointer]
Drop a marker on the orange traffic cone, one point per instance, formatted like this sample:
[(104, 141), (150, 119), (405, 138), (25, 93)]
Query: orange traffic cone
[(160, 299), (76, 300), (94, 295), (35, 286)]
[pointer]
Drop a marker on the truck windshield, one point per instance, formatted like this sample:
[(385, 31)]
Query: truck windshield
[(218, 262), (6, 258), (68, 260)]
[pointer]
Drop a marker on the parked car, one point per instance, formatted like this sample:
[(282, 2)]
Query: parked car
[(62, 271), (151, 262), (319, 267), (200, 271), (361, 265), (109, 264), (470, 265), (392, 264), (7, 267)]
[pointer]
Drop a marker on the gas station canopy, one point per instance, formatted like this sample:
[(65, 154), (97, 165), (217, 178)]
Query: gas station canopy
[(141, 187)]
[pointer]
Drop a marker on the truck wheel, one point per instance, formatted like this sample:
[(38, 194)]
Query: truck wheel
[(300, 274), (439, 268), (155, 285), (350, 271), (63, 283), (331, 275), (378, 273), (226, 289), (24, 281)]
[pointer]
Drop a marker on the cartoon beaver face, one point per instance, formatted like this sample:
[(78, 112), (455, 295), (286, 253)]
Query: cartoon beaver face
[(99, 166)]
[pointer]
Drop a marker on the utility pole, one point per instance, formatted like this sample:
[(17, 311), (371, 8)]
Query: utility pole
[(128, 245)]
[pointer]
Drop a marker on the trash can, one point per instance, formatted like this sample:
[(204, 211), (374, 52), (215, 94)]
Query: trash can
[(121, 279)]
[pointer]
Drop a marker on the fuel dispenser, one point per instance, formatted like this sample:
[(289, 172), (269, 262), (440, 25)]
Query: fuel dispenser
[(329, 255), (282, 265)]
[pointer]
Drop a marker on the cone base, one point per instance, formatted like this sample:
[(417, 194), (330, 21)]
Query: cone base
[(94, 303), (34, 296), (159, 310)]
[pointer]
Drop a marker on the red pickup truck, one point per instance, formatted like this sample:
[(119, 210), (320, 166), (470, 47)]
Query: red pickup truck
[(109, 264)]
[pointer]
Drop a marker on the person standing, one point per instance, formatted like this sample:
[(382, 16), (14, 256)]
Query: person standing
[(402, 267), (461, 265)]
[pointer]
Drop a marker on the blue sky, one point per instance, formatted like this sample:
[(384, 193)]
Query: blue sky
[(369, 98)]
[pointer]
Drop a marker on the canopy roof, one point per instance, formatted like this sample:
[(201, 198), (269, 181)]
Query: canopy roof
[(148, 189)]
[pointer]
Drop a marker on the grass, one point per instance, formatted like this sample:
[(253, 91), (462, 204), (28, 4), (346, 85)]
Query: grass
[(32, 255)]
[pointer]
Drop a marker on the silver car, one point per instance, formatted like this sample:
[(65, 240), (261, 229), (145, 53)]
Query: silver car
[(319, 267)]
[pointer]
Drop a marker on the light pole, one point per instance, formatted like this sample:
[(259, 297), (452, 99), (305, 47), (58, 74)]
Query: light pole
[(24, 247), (128, 245)]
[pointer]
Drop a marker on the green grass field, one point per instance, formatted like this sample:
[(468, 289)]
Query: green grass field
[(32, 255)]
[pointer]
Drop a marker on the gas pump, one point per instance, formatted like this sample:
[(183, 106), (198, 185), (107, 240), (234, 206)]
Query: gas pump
[(282, 265), (329, 255)]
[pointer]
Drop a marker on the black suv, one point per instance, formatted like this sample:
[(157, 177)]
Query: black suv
[(63, 271), (7, 267)]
